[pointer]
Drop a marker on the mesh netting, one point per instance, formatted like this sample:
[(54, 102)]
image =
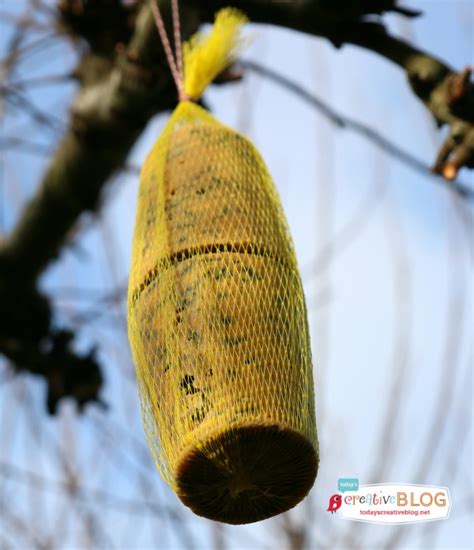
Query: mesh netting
[(217, 325)]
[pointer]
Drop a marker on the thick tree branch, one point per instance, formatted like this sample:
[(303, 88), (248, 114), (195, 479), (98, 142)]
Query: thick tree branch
[(344, 122), (118, 94), (449, 95), (115, 101)]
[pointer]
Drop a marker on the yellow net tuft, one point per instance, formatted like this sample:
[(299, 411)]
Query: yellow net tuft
[(217, 326), (205, 56)]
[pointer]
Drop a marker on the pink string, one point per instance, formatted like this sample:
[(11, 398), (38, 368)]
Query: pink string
[(177, 39), (176, 69)]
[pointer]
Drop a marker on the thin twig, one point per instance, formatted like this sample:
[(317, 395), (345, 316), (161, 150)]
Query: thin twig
[(348, 123)]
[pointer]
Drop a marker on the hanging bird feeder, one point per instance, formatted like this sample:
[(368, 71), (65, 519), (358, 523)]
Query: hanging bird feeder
[(216, 312)]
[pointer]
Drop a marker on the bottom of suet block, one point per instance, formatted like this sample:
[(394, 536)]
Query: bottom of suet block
[(247, 473)]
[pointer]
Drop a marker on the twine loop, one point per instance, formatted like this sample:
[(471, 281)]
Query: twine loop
[(175, 62)]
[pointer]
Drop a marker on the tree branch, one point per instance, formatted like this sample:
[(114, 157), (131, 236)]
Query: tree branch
[(448, 94), (118, 94), (114, 103), (348, 123)]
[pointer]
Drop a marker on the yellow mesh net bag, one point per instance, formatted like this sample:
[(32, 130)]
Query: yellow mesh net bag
[(216, 313)]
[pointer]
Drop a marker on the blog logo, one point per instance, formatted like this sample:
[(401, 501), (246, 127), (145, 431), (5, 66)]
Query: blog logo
[(390, 503)]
